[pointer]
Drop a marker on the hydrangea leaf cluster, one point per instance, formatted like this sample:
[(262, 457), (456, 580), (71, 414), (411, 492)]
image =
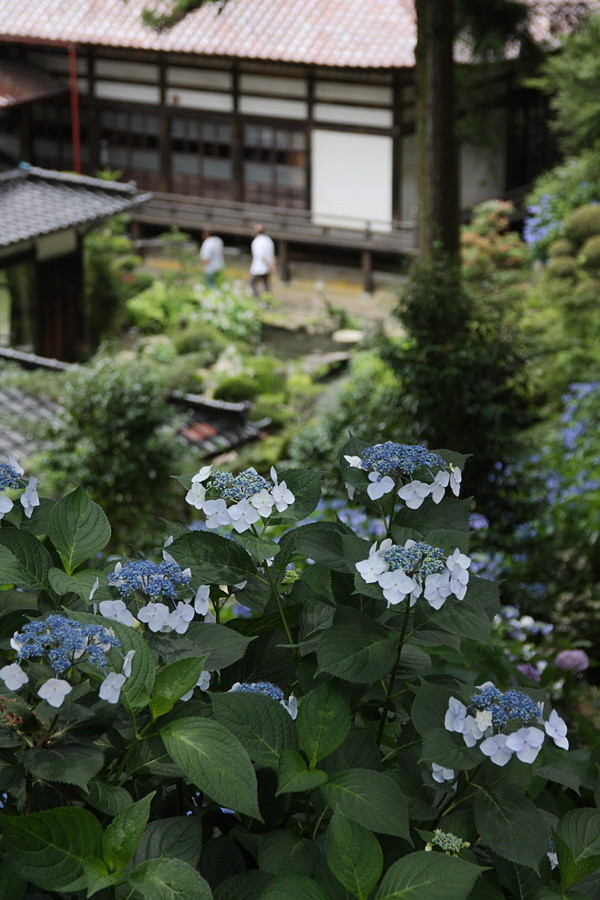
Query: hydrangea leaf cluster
[(506, 723), (269, 690), (391, 467), (11, 479), (237, 501), (415, 569)]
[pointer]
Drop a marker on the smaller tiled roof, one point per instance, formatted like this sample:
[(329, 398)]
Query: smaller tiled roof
[(37, 202), (22, 83)]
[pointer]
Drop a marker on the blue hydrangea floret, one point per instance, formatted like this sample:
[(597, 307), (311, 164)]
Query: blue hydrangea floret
[(158, 580), (64, 642)]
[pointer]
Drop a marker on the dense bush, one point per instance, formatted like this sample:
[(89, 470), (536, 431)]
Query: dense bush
[(112, 434), (328, 740)]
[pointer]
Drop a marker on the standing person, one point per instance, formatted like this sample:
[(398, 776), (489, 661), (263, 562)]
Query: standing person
[(211, 257), (263, 260)]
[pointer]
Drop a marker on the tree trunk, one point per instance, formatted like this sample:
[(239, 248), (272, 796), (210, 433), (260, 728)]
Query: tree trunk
[(437, 175)]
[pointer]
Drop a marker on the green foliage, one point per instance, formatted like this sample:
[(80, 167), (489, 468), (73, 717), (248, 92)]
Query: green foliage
[(561, 247), (582, 223), (111, 276), (464, 364), (203, 340), (322, 781), (570, 77), (112, 434), (590, 253)]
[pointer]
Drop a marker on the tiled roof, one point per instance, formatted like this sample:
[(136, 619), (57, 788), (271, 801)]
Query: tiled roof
[(213, 426), (20, 83), (36, 202), (362, 33), (353, 33)]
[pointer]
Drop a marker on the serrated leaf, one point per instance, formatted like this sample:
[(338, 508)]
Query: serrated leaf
[(448, 749), (323, 542), (214, 760), (260, 548), (123, 834), (300, 887), (356, 648), (107, 798), (428, 876), (24, 561), (450, 514), (261, 724), (577, 842), (521, 880), (173, 681), (48, 848), (559, 775), (245, 886), (11, 886), (283, 851), (223, 645), (212, 558), (66, 763), (465, 618), (81, 583), (353, 855), (97, 875), (369, 798), (78, 529), (510, 825), (169, 879), (179, 837), (293, 776), (323, 721), (430, 706), (305, 485)]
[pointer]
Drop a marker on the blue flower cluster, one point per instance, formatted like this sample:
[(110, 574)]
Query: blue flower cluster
[(157, 580), (63, 642), (393, 459), (421, 558), (260, 687), (9, 477), (510, 706), (239, 487)]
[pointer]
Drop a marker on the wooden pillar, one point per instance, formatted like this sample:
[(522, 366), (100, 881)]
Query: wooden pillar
[(137, 230), (367, 271), (284, 262), (237, 141)]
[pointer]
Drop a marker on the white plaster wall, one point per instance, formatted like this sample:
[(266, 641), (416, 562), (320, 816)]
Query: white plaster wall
[(268, 84), (199, 99), (56, 245), (353, 93), (199, 78), (353, 115), (112, 68), (266, 106), (119, 90), (351, 179)]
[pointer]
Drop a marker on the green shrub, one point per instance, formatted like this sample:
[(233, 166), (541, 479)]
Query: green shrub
[(561, 247), (562, 267), (237, 388), (273, 406), (590, 253), (201, 339), (268, 372), (582, 223), (586, 294)]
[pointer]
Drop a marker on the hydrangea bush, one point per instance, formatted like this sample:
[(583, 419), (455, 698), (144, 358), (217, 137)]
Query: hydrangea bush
[(332, 744)]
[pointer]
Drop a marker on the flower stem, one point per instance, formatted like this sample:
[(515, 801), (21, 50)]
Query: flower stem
[(390, 687)]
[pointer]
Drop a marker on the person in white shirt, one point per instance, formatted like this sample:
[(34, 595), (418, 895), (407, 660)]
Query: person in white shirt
[(263, 260), (211, 257)]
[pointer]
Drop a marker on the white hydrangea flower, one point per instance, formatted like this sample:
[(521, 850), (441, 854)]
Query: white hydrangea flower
[(380, 485), (291, 706), (15, 465), (243, 516), (455, 718), (556, 728), (29, 497), (473, 731), (196, 496), (54, 691), (180, 618), (458, 565), (526, 743), (353, 461), (263, 503), (201, 599), (110, 689), (203, 683), (437, 589), (216, 513), (281, 494), (440, 483), (455, 480), (127, 663), (441, 773), (156, 616), (496, 748), (117, 611), (5, 505), (13, 676), (371, 568), (396, 586), (414, 493)]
